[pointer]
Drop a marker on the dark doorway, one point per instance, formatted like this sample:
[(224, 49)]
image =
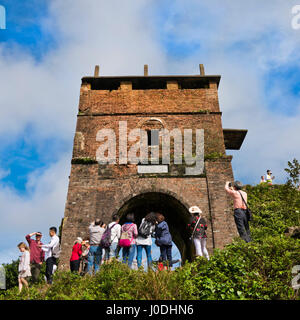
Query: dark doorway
[(176, 214)]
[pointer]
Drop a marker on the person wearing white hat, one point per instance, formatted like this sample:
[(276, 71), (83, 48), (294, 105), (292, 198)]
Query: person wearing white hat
[(198, 227)]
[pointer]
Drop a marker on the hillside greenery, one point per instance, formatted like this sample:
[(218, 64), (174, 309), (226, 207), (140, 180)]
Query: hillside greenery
[(260, 270)]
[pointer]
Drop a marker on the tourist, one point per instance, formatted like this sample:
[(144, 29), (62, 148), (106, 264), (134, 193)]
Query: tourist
[(239, 203), (127, 241), (163, 239), (52, 250), (269, 177), (144, 240), (84, 256), (96, 230), (262, 179), (24, 266), (198, 227), (37, 255), (75, 257), (115, 234)]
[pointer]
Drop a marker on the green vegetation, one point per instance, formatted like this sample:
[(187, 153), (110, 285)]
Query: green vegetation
[(293, 171), (11, 273), (257, 270), (213, 156), (201, 111)]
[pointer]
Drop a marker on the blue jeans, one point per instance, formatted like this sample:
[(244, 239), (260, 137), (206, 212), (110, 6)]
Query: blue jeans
[(128, 254), (166, 253), (94, 258), (140, 253), (111, 252)]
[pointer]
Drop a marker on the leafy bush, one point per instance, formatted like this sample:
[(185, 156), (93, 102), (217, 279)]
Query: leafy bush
[(293, 171), (275, 208), (243, 271), (11, 273)]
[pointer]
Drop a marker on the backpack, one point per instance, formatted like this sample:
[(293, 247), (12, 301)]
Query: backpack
[(106, 238), (125, 240), (56, 251), (145, 229)]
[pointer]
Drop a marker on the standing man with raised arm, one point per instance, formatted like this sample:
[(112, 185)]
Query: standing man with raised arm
[(51, 253), (239, 198), (37, 255)]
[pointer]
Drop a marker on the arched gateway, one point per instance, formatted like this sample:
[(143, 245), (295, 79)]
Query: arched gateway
[(175, 212), (121, 163)]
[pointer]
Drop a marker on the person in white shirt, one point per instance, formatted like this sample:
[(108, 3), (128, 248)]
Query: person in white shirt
[(51, 253), (112, 251), (144, 240), (24, 266), (262, 179)]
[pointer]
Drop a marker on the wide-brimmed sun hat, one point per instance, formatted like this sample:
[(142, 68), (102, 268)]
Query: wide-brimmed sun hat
[(195, 209)]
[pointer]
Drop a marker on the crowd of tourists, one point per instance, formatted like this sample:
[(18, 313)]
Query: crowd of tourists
[(127, 241), (35, 254), (107, 242)]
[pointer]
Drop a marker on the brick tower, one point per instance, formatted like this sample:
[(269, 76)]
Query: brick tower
[(151, 103)]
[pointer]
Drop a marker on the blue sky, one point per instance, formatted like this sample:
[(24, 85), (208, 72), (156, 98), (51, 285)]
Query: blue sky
[(49, 45), (23, 27)]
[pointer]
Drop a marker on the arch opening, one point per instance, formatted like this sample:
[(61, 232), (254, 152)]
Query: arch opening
[(176, 215)]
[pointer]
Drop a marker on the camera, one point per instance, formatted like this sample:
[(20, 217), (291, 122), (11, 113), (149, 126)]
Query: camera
[(230, 184)]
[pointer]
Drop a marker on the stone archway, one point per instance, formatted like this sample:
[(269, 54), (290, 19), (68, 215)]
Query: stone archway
[(176, 214)]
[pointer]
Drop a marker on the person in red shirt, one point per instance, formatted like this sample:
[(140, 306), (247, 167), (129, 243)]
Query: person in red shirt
[(37, 255), (75, 257)]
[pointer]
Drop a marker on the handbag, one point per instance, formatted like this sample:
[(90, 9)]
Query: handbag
[(125, 240), (191, 237), (248, 211)]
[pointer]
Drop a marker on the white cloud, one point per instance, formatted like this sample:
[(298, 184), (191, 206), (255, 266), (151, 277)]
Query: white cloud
[(4, 173), (41, 209)]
